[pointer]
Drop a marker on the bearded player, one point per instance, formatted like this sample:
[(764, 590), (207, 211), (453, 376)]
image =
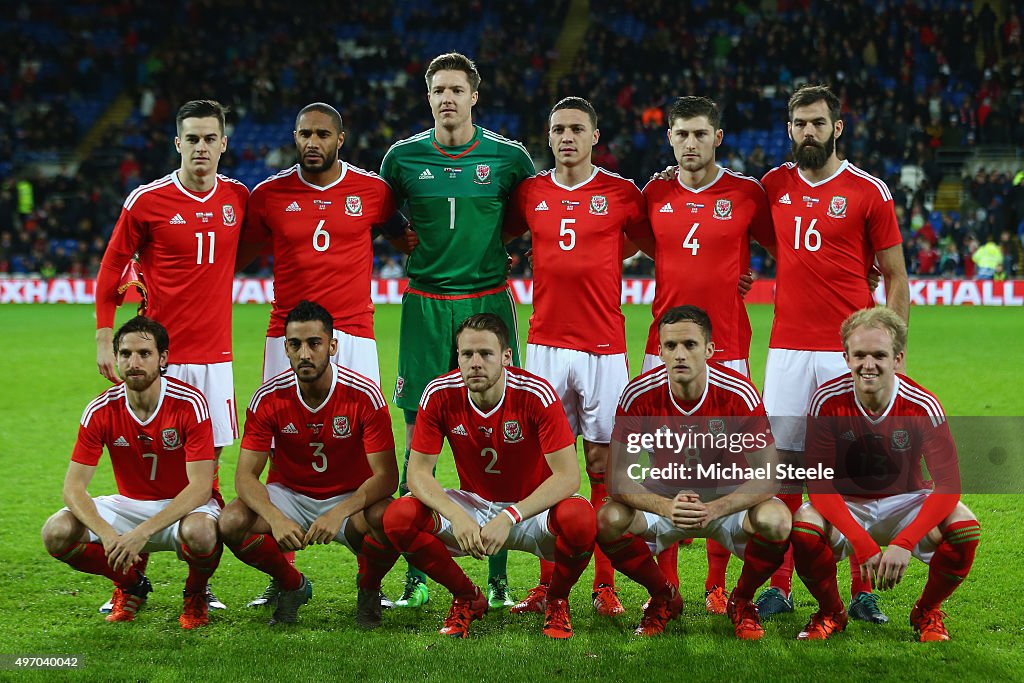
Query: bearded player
[(579, 217), (184, 228), (873, 420), (334, 457), (455, 180), (832, 221), (158, 435), (316, 220), (518, 473)]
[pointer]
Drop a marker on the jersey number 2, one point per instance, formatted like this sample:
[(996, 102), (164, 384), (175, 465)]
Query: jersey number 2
[(493, 455)]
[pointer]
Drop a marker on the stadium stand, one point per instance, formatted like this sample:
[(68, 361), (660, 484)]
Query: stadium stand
[(933, 97)]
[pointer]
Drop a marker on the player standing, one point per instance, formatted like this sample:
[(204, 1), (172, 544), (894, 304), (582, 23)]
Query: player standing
[(689, 396), (703, 220), (578, 215), (518, 473), (158, 435), (868, 421), (455, 179), (184, 228), (334, 457), (316, 219), (832, 220)]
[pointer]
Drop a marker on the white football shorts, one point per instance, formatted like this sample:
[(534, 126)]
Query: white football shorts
[(790, 379), (124, 514), (217, 383), (304, 510), (588, 384)]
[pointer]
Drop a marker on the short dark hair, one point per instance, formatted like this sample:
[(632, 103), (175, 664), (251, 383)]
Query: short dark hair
[(687, 314), (454, 61), (201, 109), (692, 106), (323, 108), (308, 311), (576, 103), (486, 322), (807, 95), (148, 327)]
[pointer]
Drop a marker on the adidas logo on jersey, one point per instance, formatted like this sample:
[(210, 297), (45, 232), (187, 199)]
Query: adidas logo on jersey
[(426, 175), (460, 431), (294, 206), (848, 435), (121, 441), (177, 220), (667, 208), (785, 199), (290, 429), (543, 206)]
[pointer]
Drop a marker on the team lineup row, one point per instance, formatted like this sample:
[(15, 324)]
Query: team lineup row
[(464, 190)]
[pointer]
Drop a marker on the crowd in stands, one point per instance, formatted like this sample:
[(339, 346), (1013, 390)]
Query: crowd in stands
[(916, 79)]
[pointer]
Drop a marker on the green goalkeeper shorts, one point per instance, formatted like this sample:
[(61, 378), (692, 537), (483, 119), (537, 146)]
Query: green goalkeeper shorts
[(426, 341)]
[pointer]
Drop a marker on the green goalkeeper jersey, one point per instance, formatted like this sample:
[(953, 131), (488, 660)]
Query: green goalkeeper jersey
[(456, 202)]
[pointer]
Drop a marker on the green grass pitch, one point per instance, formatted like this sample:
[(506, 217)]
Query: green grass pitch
[(972, 358)]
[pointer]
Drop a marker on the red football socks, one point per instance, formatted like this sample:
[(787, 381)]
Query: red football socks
[(760, 559), (575, 528), (668, 561), (951, 563), (631, 556), (375, 561), (783, 576), (262, 552), (200, 567), (409, 525), (91, 559), (603, 571), (816, 565), (718, 562)]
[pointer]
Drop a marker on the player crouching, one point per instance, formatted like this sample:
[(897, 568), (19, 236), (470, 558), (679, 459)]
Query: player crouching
[(512, 443), (333, 470), (694, 397), (157, 432), (875, 421)]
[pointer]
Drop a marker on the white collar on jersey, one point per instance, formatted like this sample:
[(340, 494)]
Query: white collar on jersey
[(190, 193), (497, 406), (842, 167), (679, 179), (703, 396), (344, 170), (330, 392), (159, 402), (885, 413), (574, 187)]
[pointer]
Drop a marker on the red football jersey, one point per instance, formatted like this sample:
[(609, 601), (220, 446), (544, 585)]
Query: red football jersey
[(321, 242), (727, 395), (827, 235), (498, 455), (187, 245), (875, 456), (319, 452), (577, 256), (703, 246), (148, 457)]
